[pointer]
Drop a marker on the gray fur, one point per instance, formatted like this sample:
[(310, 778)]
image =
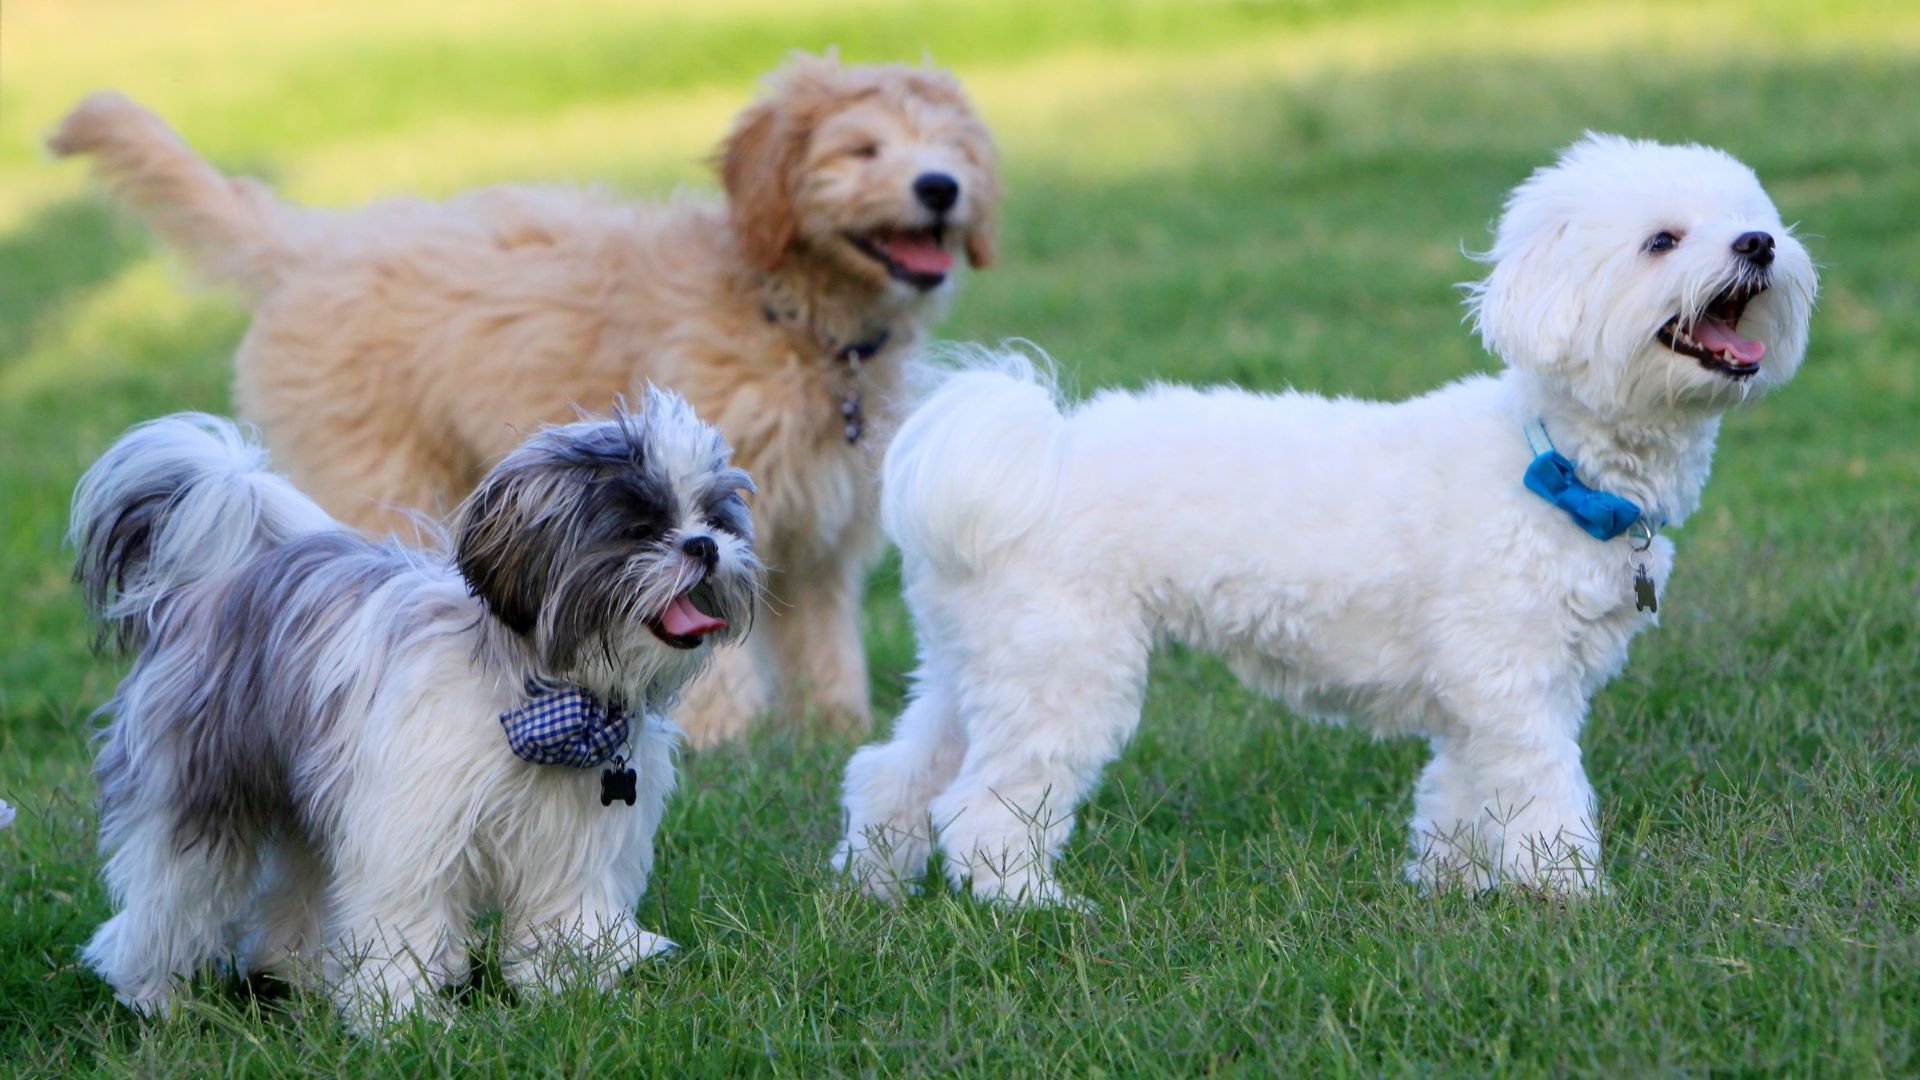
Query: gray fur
[(238, 670)]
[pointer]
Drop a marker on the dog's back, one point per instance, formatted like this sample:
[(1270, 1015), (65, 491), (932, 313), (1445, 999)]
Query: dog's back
[(189, 552), (975, 466)]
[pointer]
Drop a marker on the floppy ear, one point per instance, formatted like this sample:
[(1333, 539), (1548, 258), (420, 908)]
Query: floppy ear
[(757, 166), (499, 552), (980, 249), (1526, 309)]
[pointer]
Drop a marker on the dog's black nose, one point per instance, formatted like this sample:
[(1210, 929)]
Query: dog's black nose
[(936, 191), (1755, 247), (702, 548)]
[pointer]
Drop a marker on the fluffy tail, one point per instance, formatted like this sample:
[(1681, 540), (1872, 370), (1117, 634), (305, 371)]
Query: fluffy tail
[(230, 229), (175, 502), (975, 467)]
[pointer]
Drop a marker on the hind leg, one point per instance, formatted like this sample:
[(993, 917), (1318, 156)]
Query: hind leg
[(175, 906), (1046, 704), (889, 786), (282, 933)]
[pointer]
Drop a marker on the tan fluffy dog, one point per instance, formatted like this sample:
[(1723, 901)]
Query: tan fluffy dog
[(400, 349)]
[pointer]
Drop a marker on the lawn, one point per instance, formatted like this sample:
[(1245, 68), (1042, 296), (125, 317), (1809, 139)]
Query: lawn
[(1276, 194)]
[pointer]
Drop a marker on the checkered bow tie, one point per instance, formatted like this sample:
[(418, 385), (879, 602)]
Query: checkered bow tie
[(565, 725)]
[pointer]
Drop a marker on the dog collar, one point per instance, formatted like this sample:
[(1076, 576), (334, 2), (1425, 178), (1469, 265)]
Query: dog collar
[(565, 725), (850, 352), (852, 412), (1602, 514)]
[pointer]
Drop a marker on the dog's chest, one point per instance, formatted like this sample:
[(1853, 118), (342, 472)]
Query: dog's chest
[(814, 502), (818, 479), (1614, 598)]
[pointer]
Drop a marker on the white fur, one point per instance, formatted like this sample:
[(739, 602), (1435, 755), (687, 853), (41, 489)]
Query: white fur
[(1371, 562)]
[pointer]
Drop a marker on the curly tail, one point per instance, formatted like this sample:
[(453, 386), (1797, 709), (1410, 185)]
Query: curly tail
[(175, 502), (976, 465), (231, 229)]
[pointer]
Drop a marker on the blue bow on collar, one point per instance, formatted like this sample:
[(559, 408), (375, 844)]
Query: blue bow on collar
[(565, 725), (1551, 476)]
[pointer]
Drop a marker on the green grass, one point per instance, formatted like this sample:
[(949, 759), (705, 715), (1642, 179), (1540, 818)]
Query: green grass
[(1271, 193)]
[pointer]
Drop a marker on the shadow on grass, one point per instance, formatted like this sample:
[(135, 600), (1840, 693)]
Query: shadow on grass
[(71, 247)]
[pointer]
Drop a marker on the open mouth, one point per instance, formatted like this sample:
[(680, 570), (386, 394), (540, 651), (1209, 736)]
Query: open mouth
[(1714, 338), (918, 257), (684, 621)]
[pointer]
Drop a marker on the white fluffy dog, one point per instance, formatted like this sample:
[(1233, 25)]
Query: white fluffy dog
[(1431, 567), (334, 754)]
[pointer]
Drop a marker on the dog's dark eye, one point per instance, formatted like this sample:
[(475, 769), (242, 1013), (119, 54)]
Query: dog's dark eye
[(865, 150), (1662, 242)]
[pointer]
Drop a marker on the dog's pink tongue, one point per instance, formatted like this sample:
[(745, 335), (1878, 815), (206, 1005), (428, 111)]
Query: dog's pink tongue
[(1718, 337), (682, 619), (920, 253)]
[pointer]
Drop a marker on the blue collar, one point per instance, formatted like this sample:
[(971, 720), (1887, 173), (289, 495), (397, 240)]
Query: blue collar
[(565, 725), (1602, 514)]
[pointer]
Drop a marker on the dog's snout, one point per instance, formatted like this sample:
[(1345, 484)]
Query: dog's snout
[(702, 548), (1755, 247), (936, 191)]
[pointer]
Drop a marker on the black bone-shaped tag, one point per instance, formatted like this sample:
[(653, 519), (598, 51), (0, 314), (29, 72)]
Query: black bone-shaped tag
[(1644, 596), (618, 783)]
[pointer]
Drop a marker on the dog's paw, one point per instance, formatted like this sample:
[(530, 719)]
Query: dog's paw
[(1027, 891), (153, 1005), (868, 871), (379, 1013), (1565, 864), (1562, 870), (1572, 880), (559, 955), (648, 945)]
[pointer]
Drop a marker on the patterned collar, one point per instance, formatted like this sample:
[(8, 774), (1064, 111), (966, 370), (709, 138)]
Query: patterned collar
[(562, 724)]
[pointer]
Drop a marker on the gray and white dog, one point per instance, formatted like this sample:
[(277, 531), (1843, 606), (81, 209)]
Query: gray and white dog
[(332, 754)]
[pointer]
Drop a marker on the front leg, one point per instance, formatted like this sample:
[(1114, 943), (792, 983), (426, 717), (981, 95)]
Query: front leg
[(591, 943), (814, 633), (1507, 803), (568, 919), (383, 963), (728, 699)]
